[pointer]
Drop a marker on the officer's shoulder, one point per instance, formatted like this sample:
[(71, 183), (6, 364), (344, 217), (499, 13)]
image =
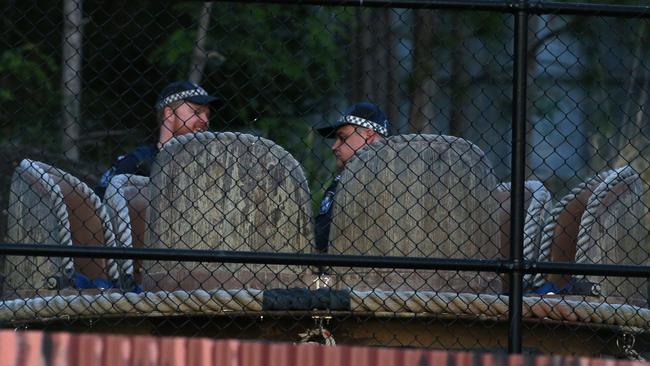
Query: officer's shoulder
[(147, 149), (144, 151)]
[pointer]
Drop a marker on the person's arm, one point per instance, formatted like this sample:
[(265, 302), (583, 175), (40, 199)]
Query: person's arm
[(125, 164), (138, 162), (324, 218)]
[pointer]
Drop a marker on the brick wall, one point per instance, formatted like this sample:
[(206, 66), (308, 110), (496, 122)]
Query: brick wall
[(31, 348)]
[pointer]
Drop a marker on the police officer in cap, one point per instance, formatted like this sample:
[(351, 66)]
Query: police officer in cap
[(182, 107), (360, 125)]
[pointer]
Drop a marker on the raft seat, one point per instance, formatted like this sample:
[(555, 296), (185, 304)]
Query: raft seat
[(612, 232), (232, 192), (600, 221), (50, 206), (560, 233), (417, 196), (127, 200)]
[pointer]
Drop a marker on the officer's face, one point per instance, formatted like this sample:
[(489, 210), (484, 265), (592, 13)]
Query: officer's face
[(349, 139), (189, 117)]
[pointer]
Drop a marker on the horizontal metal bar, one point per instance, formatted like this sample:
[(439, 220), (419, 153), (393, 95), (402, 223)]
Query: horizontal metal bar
[(532, 7), (222, 256), (333, 260), (500, 6), (613, 270), (609, 10)]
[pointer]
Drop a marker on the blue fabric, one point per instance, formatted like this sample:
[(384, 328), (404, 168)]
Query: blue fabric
[(324, 218), (83, 282), (545, 289), (550, 287), (137, 289), (102, 283), (128, 285), (139, 162)]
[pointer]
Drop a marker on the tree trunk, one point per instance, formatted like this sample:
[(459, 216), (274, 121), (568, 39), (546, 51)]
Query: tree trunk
[(371, 54), (630, 132), (458, 78), (381, 48), (200, 54), (71, 77), (392, 98), (356, 57), (423, 86), (633, 150), (632, 147), (533, 93), (599, 106), (367, 55)]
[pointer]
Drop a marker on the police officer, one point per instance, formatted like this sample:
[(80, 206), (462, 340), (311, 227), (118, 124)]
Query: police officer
[(182, 107), (361, 124)]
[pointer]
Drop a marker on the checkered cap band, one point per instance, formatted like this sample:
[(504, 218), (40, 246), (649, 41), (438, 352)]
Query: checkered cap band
[(198, 91), (358, 121)]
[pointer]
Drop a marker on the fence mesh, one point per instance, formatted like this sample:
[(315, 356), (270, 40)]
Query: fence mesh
[(383, 133)]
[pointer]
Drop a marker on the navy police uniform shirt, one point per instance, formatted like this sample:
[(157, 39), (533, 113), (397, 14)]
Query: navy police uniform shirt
[(324, 217), (138, 162)]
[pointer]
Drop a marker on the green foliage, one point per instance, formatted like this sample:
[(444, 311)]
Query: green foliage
[(28, 96), (276, 64), (275, 60), (28, 67), (175, 51)]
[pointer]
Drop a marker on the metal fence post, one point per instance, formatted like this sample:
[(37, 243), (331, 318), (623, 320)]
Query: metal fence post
[(518, 171)]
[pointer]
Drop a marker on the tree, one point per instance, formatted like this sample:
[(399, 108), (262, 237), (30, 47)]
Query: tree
[(200, 53), (458, 79), (279, 69), (373, 72), (27, 75), (423, 85), (632, 142), (71, 77)]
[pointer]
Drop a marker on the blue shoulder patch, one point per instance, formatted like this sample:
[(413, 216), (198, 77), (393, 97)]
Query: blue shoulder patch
[(326, 203)]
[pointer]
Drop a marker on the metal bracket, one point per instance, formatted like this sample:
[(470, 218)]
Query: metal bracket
[(318, 334), (311, 336), (625, 343), (52, 283)]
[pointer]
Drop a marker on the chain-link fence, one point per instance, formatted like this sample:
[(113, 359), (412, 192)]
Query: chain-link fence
[(415, 174)]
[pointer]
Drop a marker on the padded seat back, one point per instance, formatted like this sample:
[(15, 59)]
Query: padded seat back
[(50, 206), (612, 232), (226, 191), (560, 232), (417, 196)]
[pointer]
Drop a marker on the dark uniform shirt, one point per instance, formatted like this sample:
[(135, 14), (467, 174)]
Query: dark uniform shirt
[(324, 217), (139, 162)]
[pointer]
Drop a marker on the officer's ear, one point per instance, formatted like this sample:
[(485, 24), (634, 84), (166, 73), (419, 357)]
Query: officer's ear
[(168, 121), (168, 112), (371, 136)]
